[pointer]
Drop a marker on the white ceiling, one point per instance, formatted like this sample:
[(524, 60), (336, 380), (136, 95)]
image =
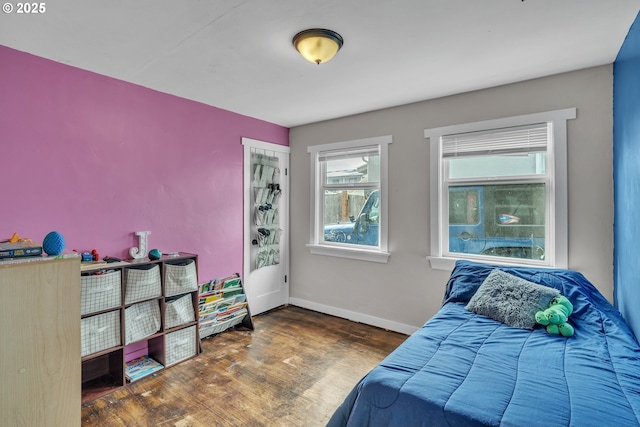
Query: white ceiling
[(237, 54)]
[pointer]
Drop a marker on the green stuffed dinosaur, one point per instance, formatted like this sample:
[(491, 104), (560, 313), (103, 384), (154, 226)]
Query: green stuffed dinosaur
[(556, 316)]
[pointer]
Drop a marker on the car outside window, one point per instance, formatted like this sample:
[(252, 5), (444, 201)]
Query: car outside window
[(498, 191), (349, 213)]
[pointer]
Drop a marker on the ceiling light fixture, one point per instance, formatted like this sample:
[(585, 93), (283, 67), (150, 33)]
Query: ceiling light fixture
[(317, 44)]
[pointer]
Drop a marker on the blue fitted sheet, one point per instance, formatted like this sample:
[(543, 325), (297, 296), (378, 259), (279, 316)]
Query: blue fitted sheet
[(463, 369)]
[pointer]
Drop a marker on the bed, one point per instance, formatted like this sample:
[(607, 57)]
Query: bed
[(466, 369)]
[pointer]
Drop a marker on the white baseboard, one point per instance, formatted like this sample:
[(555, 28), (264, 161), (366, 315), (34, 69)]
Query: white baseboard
[(356, 317)]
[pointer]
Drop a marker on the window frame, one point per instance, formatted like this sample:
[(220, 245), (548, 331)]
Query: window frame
[(556, 228), (317, 245)]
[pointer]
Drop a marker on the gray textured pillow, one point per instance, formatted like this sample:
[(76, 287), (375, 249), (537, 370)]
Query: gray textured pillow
[(510, 299)]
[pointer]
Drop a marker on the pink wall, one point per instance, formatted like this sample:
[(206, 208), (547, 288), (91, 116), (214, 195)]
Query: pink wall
[(97, 159)]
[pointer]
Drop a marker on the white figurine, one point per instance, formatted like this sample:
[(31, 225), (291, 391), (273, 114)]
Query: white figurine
[(142, 252)]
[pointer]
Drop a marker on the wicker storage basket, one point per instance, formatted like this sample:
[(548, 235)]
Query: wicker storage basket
[(99, 332), (178, 312), (180, 278), (141, 320), (180, 345), (142, 283), (100, 292)]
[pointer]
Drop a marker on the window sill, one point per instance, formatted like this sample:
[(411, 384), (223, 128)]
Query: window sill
[(445, 263), (441, 263), (351, 253)]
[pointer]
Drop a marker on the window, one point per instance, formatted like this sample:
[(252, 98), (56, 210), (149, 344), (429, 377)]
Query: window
[(349, 199), (499, 191)]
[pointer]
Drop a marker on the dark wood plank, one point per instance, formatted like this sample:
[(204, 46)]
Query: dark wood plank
[(294, 369)]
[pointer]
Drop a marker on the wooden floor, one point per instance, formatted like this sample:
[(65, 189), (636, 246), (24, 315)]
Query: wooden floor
[(294, 369)]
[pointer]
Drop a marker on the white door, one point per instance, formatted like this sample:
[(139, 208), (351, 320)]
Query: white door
[(266, 225)]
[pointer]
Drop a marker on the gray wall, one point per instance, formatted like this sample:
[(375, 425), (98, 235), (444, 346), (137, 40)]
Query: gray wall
[(404, 293)]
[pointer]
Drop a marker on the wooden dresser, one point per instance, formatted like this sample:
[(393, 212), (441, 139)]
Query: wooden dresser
[(40, 343)]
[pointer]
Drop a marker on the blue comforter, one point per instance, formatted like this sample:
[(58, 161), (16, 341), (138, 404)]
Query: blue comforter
[(463, 369)]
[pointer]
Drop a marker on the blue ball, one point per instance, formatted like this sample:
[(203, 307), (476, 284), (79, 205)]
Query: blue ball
[(53, 243)]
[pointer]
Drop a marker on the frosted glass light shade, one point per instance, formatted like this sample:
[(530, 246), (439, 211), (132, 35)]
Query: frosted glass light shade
[(317, 45)]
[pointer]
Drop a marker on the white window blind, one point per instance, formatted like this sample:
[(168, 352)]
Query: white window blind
[(324, 156), (520, 139)]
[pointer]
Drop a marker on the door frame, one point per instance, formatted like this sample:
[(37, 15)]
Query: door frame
[(250, 144)]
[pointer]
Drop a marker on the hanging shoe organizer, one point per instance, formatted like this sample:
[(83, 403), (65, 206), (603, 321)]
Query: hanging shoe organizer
[(266, 229)]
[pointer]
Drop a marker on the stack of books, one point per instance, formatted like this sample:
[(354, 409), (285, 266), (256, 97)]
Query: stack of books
[(10, 250), (222, 304), (140, 368)]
